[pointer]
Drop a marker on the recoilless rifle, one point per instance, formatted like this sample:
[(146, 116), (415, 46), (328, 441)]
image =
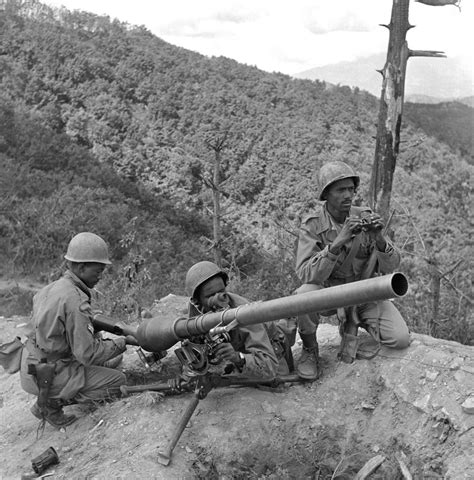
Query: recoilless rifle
[(200, 335)]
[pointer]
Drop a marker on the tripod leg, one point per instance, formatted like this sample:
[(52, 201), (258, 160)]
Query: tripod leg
[(164, 455), (155, 387)]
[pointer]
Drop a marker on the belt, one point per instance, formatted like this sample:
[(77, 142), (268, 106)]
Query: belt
[(40, 354)]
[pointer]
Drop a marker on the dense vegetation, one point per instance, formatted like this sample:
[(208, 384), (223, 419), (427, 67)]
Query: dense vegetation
[(105, 127), (450, 122)]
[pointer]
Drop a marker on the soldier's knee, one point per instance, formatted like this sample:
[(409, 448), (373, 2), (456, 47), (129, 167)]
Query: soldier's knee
[(398, 339), (402, 340)]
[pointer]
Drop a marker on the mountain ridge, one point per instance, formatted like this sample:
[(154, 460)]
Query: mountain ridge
[(106, 127), (442, 78)]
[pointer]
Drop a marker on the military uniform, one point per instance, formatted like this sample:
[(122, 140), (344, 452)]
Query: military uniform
[(254, 342), (61, 331), (318, 268)]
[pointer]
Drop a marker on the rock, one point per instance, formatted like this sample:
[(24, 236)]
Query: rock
[(423, 403), (432, 375), (456, 364), (468, 405)]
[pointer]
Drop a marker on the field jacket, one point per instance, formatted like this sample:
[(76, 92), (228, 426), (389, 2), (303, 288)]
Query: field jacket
[(316, 265), (61, 331), (252, 341)]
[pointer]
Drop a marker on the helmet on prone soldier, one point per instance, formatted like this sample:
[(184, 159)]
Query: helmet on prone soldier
[(202, 272), (332, 172), (87, 247)]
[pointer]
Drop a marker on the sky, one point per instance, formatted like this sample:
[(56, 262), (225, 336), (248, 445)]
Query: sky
[(290, 36)]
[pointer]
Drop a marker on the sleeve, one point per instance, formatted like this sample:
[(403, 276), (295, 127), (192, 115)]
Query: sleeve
[(314, 262), (260, 358), (86, 347), (389, 260)]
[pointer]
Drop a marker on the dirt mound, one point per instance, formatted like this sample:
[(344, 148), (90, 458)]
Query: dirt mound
[(408, 408)]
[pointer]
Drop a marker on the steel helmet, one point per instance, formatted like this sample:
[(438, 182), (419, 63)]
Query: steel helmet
[(201, 272), (332, 172), (87, 247)]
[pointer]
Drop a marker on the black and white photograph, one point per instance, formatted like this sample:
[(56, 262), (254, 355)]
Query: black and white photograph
[(236, 240)]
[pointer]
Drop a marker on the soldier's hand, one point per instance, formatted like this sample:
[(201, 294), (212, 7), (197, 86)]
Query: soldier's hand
[(131, 340), (225, 352), (352, 226), (375, 231), (218, 301), (376, 226), (175, 383)]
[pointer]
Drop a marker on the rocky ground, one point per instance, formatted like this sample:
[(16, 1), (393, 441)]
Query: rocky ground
[(411, 411)]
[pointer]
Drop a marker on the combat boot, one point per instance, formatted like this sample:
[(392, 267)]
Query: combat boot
[(53, 414), (308, 363)]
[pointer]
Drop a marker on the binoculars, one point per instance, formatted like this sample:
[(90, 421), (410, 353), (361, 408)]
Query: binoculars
[(368, 225)]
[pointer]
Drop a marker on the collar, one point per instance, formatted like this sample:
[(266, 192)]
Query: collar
[(76, 281)]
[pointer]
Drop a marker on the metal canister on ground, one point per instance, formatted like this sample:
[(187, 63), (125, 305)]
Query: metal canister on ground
[(44, 460)]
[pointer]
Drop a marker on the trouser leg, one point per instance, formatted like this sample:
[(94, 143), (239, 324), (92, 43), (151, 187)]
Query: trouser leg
[(384, 317), (101, 384), (114, 362)]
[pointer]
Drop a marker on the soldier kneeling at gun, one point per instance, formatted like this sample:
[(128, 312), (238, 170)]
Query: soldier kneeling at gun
[(64, 361), (253, 350)]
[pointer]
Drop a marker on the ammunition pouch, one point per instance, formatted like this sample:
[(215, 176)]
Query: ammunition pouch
[(349, 321), (348, 349)]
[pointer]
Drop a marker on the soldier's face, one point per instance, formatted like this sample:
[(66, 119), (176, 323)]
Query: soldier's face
[(208, 290), (90, 273), (339, 195)]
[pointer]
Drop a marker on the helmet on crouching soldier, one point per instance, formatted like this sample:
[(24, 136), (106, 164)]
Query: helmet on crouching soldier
[(201, 272), (332, 172), (87, 247)]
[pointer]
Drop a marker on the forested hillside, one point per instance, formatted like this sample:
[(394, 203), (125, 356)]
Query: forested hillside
[(450, 122), (105, 127)]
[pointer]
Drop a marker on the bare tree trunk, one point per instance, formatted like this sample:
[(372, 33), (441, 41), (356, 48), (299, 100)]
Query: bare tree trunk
[(217, 143), (435, 293), (391, 106), (216, 219), (390, 110)]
